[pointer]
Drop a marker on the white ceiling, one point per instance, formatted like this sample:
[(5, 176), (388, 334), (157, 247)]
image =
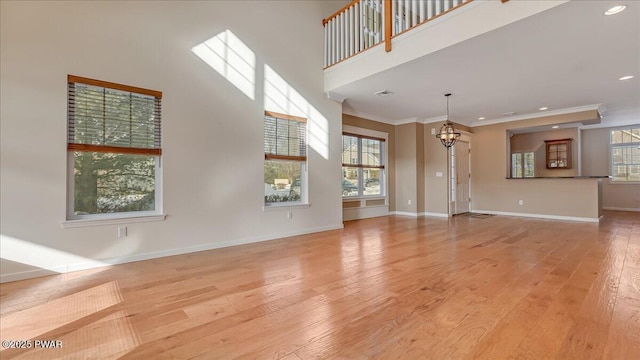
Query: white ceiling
[(570, 56)]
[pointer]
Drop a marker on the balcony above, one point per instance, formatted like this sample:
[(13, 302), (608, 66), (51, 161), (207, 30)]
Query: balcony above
[(503, 62), (355, 45)]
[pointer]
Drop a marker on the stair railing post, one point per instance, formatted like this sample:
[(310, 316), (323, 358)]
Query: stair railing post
[(388, 23)]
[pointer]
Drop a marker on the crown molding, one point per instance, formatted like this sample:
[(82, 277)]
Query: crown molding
[(540, 114), (612, 124), (367, 116), (406, 121), (436, 119), (335, 97)]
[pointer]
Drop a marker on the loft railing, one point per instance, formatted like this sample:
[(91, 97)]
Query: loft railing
[(363, 24)]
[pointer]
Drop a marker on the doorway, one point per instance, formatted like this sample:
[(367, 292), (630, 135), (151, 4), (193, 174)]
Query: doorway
[(460, 177)]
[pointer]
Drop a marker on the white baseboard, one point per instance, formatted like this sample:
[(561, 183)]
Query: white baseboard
[(538, 216), (406, 213), (22, 275), (440, 215), (620, 209)]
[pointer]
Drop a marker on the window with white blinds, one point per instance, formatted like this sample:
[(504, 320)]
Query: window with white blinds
[(109, 117)]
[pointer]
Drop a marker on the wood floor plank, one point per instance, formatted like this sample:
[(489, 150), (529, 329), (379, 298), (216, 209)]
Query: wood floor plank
[(390, 288)]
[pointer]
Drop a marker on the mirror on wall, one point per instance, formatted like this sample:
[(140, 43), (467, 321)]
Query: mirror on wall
[(543, 151)]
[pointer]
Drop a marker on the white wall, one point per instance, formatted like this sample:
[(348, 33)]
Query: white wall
[(212, 132)]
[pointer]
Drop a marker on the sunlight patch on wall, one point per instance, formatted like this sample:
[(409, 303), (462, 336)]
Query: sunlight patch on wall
[(40, 256), (280, 97), (232, 59)]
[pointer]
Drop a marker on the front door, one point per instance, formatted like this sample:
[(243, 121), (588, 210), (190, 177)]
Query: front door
[(462, 197)]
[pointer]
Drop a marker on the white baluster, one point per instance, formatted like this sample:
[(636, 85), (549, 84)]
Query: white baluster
[(379, 24), (362, 25), (399, 16), (334, 37), (406, 10), (438, 8), (430, 9), (365, 16), (349, 31), (355, 30), (447, 5), (339, 31), (394, 11), (422, 11), (414, 12), (343, 31), (326, 50), (371, 23)]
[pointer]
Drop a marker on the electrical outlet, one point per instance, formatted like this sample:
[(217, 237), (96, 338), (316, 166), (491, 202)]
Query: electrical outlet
[(290, 215), (122, 231), (433, 131), (520, 202), (408, 202)]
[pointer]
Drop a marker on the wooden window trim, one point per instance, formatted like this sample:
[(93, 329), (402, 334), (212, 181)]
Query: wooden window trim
[(113, 149), (111, 85), (284, 157), (363, 166), (285, 116)]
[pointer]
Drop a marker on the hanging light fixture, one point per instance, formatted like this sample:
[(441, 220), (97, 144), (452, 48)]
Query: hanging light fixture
[(448, 134)]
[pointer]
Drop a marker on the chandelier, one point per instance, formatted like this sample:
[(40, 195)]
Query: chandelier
[(448, 134)]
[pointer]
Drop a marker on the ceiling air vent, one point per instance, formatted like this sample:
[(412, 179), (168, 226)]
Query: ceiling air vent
[(509, 113), (383, 93)]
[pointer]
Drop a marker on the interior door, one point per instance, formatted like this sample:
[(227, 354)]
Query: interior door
[(462, 177)]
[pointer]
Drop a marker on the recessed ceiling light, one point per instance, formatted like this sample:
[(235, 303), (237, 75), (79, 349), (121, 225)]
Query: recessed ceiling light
[(626, 77), (383, 93), (481, 118), (555, 126), (615, 10), (543, 108)]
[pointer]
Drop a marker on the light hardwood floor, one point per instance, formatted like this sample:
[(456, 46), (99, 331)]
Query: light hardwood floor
[(391, 287)]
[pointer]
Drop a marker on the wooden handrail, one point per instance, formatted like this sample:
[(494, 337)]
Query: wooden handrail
[(504, 1), (325, 21)]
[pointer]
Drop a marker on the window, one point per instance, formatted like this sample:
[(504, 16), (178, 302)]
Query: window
[(285, 157), (113, 149), (522, 165), (362, 165), (625, 154)]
